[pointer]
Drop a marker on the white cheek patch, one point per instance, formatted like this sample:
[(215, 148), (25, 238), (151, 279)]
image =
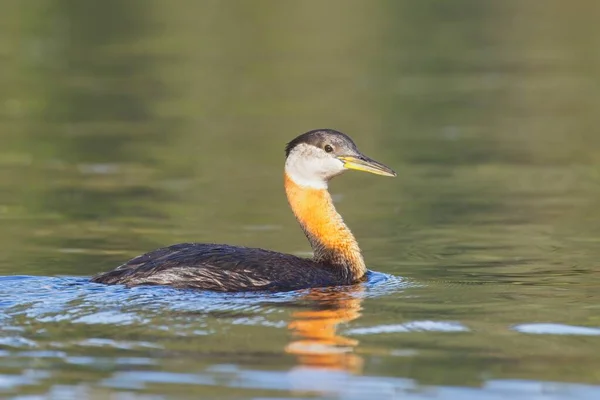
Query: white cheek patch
[(311, 167)]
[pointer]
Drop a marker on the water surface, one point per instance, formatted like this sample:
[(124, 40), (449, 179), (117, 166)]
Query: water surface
[(127, 126)]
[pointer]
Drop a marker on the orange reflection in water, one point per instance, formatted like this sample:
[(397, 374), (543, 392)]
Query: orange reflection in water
[(315, 340)]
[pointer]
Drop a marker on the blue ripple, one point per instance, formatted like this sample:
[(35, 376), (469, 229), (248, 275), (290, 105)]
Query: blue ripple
[(77, 300)]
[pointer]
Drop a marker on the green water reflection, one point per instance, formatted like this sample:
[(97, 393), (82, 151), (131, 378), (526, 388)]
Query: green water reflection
[(128, 125)]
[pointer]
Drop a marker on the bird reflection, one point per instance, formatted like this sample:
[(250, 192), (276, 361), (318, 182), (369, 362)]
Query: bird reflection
[(315, 340)]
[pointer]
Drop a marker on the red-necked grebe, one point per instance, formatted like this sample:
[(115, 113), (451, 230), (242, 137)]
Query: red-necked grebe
[(312, 159)]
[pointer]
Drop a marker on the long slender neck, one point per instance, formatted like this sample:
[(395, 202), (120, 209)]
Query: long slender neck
[(331, 240)]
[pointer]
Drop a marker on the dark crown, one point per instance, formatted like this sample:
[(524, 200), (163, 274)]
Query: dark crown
[(321, 137)]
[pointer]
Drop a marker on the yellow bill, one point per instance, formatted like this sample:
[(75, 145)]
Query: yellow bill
[(364, 163)]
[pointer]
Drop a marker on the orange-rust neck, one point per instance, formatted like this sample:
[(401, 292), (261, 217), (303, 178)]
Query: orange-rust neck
[(331, 240)]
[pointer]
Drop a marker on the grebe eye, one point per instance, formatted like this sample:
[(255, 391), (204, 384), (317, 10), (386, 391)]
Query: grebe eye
[(328, 148)]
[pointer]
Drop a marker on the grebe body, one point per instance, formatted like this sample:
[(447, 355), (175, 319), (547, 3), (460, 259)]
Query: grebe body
[(312, 159)]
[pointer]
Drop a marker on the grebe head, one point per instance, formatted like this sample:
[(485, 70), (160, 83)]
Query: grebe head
[(315, 157)]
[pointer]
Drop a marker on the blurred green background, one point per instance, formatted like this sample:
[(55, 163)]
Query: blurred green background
[(137, 123), (126, 125)]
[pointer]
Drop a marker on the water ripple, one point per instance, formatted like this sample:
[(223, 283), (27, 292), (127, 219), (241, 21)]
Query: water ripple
[(556, 329), (413, 326), (349, 386), (76, 300)]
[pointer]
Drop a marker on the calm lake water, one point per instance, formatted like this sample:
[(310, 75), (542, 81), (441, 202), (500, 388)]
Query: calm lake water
[(130, 125)]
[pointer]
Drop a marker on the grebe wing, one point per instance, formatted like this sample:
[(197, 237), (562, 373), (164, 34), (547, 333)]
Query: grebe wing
[(221, 268)]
